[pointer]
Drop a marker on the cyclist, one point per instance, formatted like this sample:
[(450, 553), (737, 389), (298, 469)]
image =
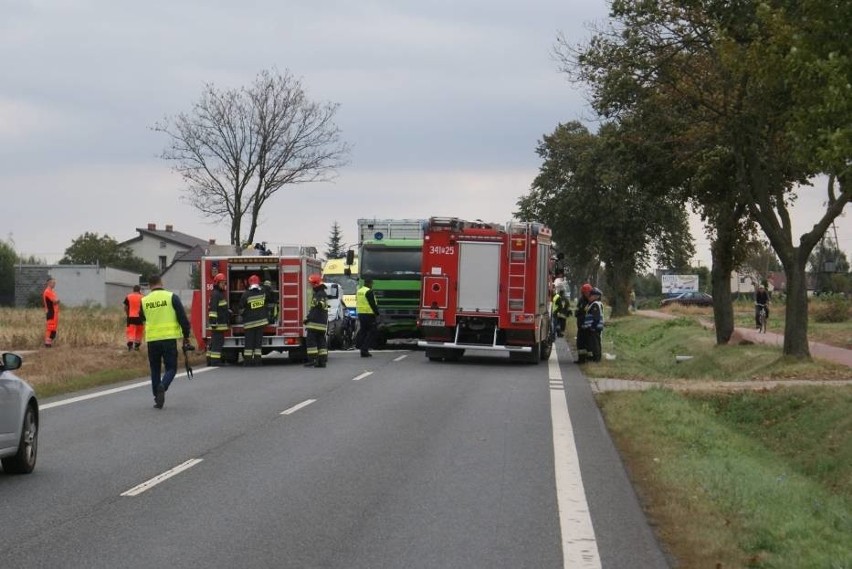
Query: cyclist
[(761, 302)]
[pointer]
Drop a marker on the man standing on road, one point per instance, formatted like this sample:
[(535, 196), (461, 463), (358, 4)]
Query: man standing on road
[(165, 322), (255, 318), (51, 312), (218, 317), (316, 324), (133, 318), (368, 311), (582, 332)]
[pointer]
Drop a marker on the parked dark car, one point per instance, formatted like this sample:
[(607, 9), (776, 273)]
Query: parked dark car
[(689, 299), (18, 419)]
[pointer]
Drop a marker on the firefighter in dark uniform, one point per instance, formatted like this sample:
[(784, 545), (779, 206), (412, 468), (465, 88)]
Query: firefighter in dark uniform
[(582, 333), (368, 311), (271, 302), (218, 316), (255, 318), (316, 324)]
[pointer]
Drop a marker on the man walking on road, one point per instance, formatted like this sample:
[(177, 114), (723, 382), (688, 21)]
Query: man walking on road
[(368, 311), (51, 312), (165, 322), (133, 318)]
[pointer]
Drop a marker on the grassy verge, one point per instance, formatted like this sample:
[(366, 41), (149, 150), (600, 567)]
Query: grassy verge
[(646, 349), (728, 489)]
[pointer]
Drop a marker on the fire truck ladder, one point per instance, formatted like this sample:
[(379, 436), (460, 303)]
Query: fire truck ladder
[(291, 309), (517, 266)]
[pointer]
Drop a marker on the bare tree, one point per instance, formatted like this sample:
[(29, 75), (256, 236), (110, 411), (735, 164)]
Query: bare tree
[(236, 148)]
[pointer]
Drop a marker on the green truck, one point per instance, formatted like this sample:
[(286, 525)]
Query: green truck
[(390, 252)]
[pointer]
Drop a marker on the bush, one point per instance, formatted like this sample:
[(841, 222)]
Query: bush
[(833, 308)]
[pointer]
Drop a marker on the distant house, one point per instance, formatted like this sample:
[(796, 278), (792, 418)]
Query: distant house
[(180, 274), (162, 246), (76, 285)]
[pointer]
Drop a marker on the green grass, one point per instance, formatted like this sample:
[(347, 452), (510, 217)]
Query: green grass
[(727, 487), (645, 348)]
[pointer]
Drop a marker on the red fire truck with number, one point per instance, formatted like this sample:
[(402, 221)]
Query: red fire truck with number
[(485, 286), (287, 274)]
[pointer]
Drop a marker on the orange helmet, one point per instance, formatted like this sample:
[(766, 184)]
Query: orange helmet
[(220, 277), (254, 280), (315, 279)]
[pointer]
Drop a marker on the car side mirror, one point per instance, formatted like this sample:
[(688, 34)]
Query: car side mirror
[(11, 361)]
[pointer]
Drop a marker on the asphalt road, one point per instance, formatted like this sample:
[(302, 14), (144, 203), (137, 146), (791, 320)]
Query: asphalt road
[(392, 461)]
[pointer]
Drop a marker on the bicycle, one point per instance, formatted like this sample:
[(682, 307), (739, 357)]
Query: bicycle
[(761, 318)]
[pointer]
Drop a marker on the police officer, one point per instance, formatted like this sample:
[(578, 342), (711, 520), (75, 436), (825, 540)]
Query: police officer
[(255, 318), (165, 321), (218, 316), (368, 311), (593, 323), (316, 324)]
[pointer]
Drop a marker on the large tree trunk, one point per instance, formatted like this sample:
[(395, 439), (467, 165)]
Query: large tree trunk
[(796, 324), (723, 308), (619, 280)]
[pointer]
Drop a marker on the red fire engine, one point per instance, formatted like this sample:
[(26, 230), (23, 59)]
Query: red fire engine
[(288, 275), (485, 286)]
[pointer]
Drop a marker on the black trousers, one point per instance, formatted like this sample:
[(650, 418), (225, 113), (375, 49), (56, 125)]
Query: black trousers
[(366, 332)]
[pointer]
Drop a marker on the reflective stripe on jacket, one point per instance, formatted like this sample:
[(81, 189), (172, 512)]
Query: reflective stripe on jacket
[(253, 306)]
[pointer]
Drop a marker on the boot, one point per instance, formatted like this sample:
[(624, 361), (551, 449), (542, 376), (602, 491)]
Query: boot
[(311, 363), (257, 361), (321, 362), (129, 346)]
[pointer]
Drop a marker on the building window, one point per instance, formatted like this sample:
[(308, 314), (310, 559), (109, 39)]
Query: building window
[(162, 263), (162, 244)]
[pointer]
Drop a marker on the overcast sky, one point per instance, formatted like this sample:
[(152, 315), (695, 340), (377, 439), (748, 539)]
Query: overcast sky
[(442, 101)]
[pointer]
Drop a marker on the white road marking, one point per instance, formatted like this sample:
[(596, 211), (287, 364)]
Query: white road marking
[(110, 391), (579, 545), (362, 376), (400, 358), (295, 408), (136, 490)]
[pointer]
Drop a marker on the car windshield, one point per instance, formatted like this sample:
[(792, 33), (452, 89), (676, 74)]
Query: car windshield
[(381, 261), (348, 285)]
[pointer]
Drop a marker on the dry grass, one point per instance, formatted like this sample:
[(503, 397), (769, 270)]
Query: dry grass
[(90, 349), (837, 334)]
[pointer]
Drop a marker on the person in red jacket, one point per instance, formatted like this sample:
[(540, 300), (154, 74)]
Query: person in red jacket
[(51, 312), (133, 314)]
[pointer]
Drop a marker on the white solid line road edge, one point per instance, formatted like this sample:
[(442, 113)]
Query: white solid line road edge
[(136, 490), (295, 408), (109, 391), (579, 545)]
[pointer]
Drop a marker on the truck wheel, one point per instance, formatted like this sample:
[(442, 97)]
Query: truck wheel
[(546, 348), (454, 355), (534, 356), (434, 354)]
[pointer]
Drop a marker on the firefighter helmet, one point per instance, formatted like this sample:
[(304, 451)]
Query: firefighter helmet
[(586, 288), (220, 277), (254, 280), (315, 280)]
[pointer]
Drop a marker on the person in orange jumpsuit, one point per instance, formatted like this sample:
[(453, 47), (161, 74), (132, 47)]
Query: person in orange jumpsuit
[(51, 312), (135, 324)]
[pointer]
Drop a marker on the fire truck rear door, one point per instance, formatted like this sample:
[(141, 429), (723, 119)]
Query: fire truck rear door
[(479, 276)]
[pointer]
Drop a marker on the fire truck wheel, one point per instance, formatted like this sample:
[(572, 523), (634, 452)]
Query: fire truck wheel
[(432, 354), (546, 348)]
